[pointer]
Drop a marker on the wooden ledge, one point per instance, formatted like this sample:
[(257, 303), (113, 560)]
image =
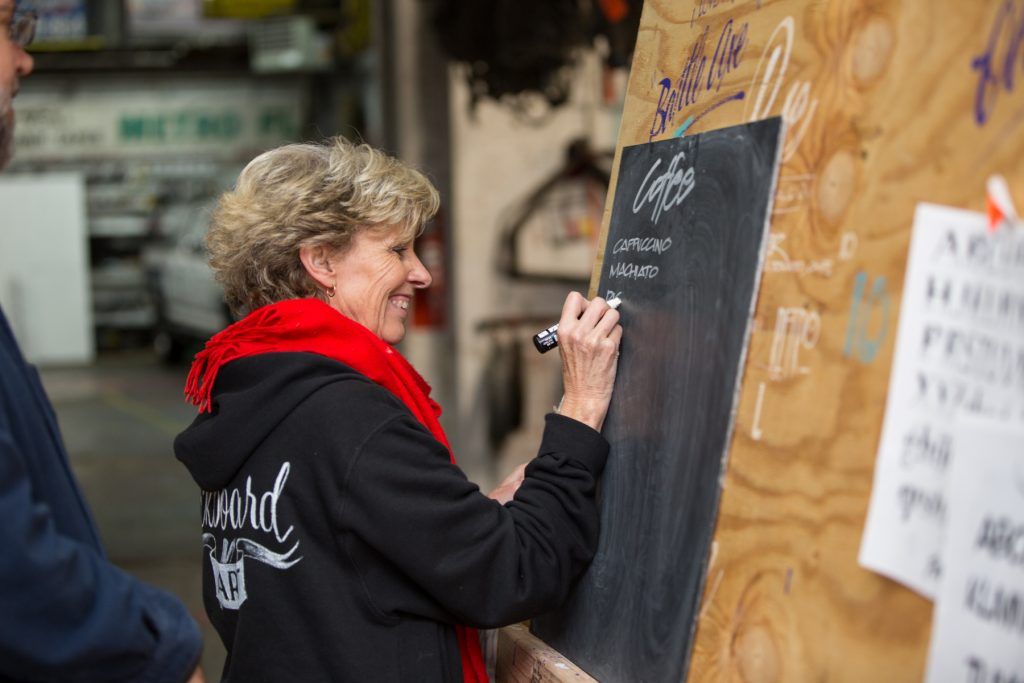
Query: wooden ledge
[(524, 658)]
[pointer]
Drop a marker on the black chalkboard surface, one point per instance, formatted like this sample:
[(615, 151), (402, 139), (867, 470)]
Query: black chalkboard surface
[(684, 251)]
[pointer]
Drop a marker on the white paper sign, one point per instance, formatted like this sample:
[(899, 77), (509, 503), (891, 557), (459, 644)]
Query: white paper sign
[(978, 624), (959, 352)]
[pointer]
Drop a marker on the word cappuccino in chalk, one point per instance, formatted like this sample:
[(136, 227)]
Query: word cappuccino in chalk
[(666, 191), (642, 245)]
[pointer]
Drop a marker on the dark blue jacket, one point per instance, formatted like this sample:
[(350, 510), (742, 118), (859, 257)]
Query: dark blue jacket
[(66, 613)]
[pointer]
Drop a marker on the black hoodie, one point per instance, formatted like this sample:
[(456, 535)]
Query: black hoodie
[(341, 544)]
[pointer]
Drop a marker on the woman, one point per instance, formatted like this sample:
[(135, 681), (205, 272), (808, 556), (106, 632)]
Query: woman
[(343, 542)]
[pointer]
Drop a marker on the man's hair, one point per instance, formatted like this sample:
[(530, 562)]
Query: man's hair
[(307, 195)]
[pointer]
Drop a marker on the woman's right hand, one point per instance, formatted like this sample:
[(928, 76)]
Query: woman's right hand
[(588, 340)]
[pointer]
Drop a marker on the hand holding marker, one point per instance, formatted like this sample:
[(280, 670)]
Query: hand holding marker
[(545, 340)]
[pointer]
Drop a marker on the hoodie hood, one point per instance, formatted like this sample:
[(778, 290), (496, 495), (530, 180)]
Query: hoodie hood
[(251, 397), (274, 360)]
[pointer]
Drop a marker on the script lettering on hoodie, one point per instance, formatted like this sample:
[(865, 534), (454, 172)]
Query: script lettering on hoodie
[(239, 508)]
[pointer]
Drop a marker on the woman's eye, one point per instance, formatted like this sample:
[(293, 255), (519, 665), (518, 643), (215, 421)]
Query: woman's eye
[(401, 249)]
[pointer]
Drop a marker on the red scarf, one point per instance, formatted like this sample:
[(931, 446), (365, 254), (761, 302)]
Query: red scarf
[(309, 325)]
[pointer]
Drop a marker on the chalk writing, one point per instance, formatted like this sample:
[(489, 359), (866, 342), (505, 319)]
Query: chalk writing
[(864, 309), (702, 7), (778, 260), (793, 192), (848, 246), (667, 190), (775, 240), (755, 431), (640, 245), (1003, 57), (699, 76), (822, 267), (797, 111), (632, 271), (798, 107), (796, 329)]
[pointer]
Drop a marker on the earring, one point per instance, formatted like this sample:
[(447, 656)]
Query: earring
[(330, 292)]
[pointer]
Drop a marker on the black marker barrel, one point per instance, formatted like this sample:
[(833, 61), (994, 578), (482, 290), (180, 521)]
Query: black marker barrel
[(545, 340)]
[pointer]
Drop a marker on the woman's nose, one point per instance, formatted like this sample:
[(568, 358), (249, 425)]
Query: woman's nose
[(419, 276), (24, 63)]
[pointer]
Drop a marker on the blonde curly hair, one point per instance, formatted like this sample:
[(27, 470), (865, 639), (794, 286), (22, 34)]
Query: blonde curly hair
[(307, 195)]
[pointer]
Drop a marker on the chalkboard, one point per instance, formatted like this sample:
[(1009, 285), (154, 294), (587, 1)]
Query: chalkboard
[(684, 252)]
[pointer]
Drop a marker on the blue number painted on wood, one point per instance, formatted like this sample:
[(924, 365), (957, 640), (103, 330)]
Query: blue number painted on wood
[(864, 308)]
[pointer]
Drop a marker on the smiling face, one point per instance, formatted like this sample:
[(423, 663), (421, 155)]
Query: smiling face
[(377, 276), (15, 63)]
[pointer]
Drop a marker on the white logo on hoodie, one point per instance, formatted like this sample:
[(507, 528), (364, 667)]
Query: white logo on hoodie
[(235, 509)]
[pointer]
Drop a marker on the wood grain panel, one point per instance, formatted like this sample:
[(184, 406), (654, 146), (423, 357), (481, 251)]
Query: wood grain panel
[(887, 104)]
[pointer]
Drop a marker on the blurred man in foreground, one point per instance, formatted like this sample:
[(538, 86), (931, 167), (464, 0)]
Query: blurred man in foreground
[(66, 613)]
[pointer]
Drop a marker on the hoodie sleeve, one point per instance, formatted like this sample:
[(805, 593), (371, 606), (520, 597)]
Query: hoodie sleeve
[(66, 613), (484, 564)]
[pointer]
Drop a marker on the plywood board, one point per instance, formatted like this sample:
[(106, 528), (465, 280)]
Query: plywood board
[(887, 103)]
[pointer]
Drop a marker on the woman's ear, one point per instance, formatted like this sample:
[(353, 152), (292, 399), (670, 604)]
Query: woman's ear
[(316, 260)]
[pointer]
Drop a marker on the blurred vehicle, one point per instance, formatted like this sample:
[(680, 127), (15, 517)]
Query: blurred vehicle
[(189, 303)]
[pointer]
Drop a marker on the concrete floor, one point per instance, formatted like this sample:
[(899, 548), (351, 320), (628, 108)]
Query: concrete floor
[(119, 418)]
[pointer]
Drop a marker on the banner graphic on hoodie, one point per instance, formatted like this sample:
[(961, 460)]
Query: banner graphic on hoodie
[(237, 509)]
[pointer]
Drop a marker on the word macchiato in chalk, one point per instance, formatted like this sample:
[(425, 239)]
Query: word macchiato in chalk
[(667, 190)]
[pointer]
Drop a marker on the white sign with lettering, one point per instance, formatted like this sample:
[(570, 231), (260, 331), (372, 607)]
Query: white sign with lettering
[(212, 118), (959, 353), (978, 625)]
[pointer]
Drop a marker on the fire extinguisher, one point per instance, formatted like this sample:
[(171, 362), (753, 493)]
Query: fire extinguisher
[(431, 305)]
